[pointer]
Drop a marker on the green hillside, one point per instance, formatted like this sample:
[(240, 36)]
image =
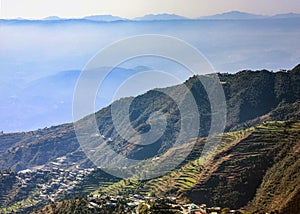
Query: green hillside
[(255, 167), (243, 172), (249, 96), (255, 170)]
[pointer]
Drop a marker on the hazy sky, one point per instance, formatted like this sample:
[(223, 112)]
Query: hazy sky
[(133, 8)]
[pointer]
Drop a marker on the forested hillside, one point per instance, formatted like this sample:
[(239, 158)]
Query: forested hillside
[(251, 96)]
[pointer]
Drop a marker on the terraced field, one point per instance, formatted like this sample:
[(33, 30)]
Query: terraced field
[(184, 177), (123, 187), (197, 169), (96, 179), (243, 167), (239, 171)]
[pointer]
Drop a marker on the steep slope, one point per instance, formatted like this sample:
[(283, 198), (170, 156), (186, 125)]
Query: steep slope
[(249, 95), (71, 206), (7, 183), (269, 154), (253, 94), (280, 189), (37, 147), (187, 174), (255, 170)]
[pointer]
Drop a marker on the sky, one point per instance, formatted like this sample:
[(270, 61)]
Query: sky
[(37, 9)]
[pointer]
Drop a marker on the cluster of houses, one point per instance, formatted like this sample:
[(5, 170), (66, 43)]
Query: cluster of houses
[(53, 181), (135, 204)]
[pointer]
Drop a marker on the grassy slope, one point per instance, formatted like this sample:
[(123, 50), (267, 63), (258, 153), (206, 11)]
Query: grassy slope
[(259, 164), (234, 182), (280, 188)]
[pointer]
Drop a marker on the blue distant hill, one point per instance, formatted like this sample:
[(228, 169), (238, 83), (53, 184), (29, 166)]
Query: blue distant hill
[(287, 15), (156, 17), (53, 18), (234, 15), (103, 18), (33, 49)]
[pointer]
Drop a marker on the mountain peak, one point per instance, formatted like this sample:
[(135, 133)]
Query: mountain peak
[(103, 18), (162, 16), (234, 15), (52, 18), (296, 70)]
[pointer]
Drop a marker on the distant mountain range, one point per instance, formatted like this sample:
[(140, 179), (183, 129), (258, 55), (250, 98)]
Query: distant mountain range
[(24, 107), (242, 15), (232, 15), (97, 18)]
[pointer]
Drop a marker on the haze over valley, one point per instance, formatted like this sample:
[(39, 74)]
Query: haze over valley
[(40, 54)]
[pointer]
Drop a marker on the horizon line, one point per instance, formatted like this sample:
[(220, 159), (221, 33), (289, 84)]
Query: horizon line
[(120, 18)]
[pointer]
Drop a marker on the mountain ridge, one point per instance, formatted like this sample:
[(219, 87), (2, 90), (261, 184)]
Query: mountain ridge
[(272, 91), (261, 135), (234, 15), (160, 17), (231, 15)]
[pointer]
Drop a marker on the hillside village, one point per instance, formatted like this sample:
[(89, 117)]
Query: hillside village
[(62, 181), (46, 184), (50, 184)]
